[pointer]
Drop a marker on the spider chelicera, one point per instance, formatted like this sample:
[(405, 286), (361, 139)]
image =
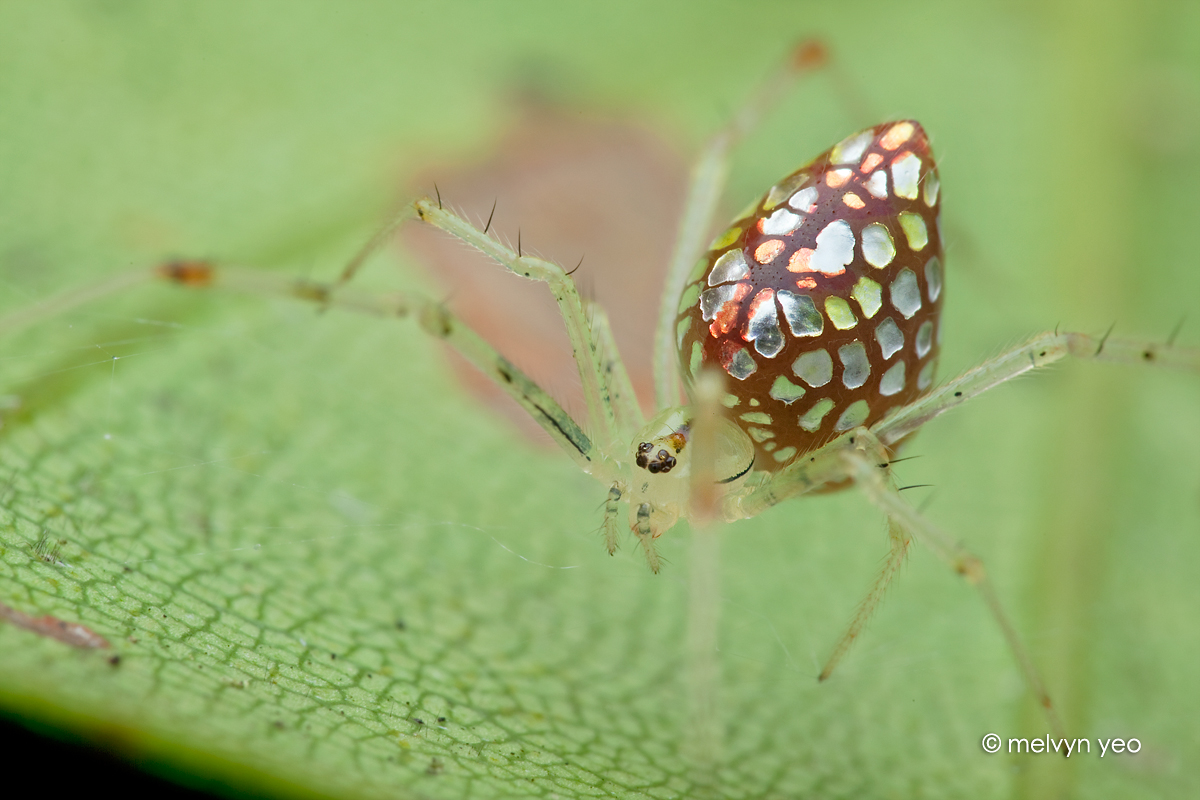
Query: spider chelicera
[(804, 338)]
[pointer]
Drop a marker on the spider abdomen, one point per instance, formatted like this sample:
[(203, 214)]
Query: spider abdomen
[(822, 303)]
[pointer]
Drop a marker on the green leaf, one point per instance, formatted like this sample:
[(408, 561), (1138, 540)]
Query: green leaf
[(327, 571)]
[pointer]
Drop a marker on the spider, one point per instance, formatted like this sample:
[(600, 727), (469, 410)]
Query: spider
[(793, 355)]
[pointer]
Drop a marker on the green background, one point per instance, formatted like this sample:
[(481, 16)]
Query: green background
[(254, 495)]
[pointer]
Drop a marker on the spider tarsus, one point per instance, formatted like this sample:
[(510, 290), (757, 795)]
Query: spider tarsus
[(577, 266), (519, 253), (488, 226), (438, 192), (914, 486), (187, 272)]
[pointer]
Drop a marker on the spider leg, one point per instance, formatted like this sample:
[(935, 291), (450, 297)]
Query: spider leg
[(821, 467), (704, 576), (601, 418), (624, 399), (861, 456), (73, 298), (705, 186), (439, 323), (645, 535), (1040, 351), (378, 240), (863, 464), (612, 506), (817, 469), (899, 541), (432, 317)]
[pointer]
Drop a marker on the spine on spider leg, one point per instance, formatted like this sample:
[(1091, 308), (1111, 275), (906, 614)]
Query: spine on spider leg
[(1134, 351)]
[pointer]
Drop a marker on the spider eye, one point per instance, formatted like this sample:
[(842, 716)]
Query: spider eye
[(663, 461), (643, 459), (822, 302)]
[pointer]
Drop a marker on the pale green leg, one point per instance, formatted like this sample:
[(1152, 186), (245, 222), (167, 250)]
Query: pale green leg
[(861, 456), (863, 464), (434, 318), (612, 524), (815, 469), (706, 727), (601, 419), (624, 399), (73, 298), (899, 541), (381, 237), (439, 323), (1040, 351)]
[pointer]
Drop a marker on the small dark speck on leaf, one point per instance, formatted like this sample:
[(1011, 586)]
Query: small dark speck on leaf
[(114, 660), (400, 625)]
